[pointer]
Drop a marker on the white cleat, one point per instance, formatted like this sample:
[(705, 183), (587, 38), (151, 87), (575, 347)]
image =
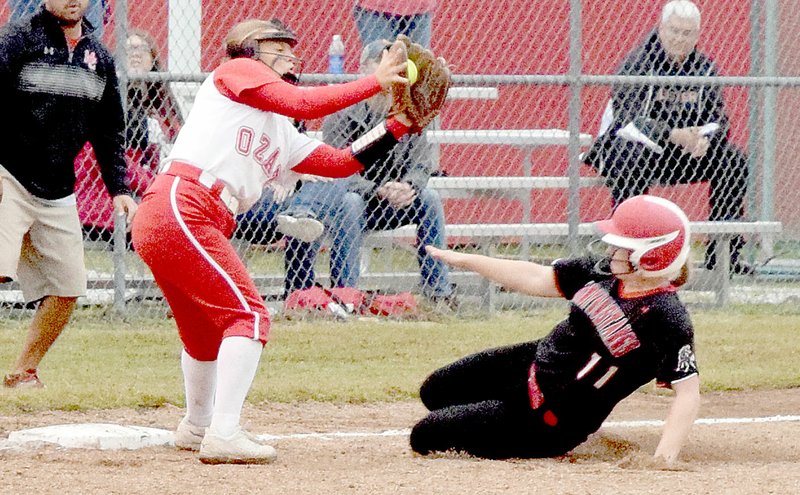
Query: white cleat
[(240, 448), (303, 228), (189, 436)]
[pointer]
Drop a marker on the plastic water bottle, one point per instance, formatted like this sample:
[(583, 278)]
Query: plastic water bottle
[(336, 55)]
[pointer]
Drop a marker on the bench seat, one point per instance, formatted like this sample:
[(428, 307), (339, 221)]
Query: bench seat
[(547, 231), (486, 235)]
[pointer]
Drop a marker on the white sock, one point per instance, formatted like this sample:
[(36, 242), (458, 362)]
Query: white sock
[(237, 363), (199, 381)]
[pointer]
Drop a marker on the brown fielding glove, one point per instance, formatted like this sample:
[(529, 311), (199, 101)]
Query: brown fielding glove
[(423, 100)]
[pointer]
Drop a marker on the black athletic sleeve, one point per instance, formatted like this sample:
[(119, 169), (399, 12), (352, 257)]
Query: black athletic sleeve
[(679, 361), (574, 273)]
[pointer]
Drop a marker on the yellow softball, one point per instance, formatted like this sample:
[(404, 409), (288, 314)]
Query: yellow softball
[(411, 72)]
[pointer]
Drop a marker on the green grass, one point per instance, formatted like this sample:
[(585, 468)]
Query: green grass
[(99, 363), (737, 350)]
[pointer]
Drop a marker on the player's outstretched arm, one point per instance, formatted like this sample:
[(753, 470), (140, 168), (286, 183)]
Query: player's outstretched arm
[(520, 276), (251, 83), (369, 150), (680, 419)]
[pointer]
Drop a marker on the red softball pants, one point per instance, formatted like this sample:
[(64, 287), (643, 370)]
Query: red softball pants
[(182, 232)]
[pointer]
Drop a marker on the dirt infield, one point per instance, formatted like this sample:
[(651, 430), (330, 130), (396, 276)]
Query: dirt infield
[(750, 458)]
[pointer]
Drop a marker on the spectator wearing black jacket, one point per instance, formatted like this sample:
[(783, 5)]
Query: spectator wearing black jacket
[(673, 134), (59, 83)]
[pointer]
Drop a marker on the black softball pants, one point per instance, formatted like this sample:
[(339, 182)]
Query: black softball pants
[(480, 405), (631, 169)]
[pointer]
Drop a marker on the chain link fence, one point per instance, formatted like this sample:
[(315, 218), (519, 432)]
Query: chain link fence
[(527, 152)]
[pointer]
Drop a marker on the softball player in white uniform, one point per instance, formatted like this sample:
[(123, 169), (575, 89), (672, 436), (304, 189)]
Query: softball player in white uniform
[(237, 140)]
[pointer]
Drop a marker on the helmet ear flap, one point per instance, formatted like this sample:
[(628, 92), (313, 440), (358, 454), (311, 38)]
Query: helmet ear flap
[(248, 48), (662, 257), (650, 261)]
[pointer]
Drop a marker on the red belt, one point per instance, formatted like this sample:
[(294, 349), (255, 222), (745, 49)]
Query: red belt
[(199, 176)]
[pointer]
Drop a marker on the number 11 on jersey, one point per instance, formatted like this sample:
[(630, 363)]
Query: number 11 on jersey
[(591, 365)]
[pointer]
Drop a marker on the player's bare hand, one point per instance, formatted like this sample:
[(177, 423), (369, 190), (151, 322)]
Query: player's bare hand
[(403, 119), (450, 257), (126, 205), (686, 138), (700, 148), (398, 194), (314, 178), (392, 66)]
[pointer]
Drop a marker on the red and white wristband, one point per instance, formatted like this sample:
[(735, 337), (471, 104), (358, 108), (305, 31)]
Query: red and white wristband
[(374, 146)]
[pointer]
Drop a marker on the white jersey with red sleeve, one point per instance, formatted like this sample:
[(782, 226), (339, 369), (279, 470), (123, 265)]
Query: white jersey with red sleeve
[(243, 146)]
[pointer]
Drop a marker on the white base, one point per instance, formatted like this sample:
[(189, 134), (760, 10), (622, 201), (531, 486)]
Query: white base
[(89, 436)]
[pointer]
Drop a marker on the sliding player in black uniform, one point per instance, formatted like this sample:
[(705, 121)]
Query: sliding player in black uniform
[(626, 327)]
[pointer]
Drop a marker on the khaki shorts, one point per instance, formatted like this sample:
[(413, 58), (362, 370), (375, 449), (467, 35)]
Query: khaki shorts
[(41, 246)]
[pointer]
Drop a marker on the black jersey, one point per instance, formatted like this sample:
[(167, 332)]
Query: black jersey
[(609, 346)]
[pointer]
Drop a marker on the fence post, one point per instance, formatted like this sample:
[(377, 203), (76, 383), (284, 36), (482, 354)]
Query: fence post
[(118, 257), (120, 225), (754, 102), (574, 126), (770, 105)]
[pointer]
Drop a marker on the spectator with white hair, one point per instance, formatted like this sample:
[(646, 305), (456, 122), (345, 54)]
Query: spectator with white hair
[(667, 134)]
